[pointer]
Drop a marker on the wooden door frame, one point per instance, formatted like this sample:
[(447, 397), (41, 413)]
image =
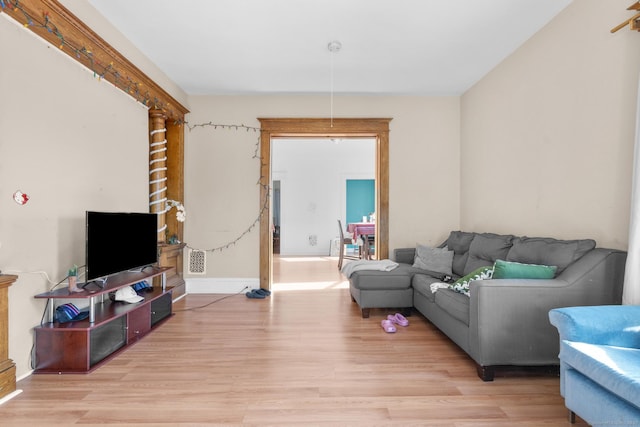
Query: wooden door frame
[(377, 128)]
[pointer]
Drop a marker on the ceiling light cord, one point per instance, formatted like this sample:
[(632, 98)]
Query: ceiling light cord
[(331, 96), (333, 47)]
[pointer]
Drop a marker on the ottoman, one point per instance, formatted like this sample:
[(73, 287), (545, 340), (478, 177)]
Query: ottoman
[(382, 289)]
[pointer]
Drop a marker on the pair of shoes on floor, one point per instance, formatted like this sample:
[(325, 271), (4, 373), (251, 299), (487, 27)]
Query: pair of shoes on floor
[(389, 324), (398, 319), (258, 293)]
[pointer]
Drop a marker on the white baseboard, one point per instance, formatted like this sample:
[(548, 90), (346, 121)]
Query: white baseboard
[(25, 375), (175, 300), (212, 285), (10, 396)]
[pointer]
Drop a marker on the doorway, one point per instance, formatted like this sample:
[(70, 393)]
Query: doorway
[(377, 128), (314, 182)]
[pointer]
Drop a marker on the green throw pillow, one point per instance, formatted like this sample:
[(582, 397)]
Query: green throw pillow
[(462, 284), (515, 270)]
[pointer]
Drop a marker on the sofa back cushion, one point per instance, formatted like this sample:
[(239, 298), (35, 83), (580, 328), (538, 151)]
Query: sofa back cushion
[(548, 251), (459, 242), (486, 248)]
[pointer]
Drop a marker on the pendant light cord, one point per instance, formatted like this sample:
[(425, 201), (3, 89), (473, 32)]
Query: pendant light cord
[(331, 98), (334, 47)]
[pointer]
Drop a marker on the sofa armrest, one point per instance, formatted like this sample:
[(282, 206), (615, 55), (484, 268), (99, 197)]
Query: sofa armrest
[(404, 255), (601, 273), (617, 325), (595, 279), (509, 318)]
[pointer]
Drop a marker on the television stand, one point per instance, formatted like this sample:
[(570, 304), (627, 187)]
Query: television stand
[(82, 346)]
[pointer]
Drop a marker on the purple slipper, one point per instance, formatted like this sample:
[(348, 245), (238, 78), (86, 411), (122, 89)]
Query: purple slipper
[(388, 327), (398, 319)]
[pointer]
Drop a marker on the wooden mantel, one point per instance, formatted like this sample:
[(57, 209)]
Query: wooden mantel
[(7, 367)]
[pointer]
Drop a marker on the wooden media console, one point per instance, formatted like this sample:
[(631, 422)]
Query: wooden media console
[(81, 346)]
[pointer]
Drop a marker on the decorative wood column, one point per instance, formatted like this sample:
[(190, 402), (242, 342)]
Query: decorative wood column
[(158, 169), (175, 173), (7, 367), (165, 182)]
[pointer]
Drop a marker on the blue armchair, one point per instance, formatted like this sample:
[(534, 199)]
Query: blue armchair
[(600, 363)]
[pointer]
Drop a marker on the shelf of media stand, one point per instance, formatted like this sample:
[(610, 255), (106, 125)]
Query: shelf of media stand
[(82, 346), (113, 283)]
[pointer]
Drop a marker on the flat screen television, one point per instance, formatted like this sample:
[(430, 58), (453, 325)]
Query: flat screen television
[(119, 241)]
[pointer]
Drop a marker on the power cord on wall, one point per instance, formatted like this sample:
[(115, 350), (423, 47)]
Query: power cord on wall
[(45, 275), (46, 306), (213, 302), (44, 313)]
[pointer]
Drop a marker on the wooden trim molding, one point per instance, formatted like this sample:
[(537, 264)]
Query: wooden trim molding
[(7, 366), (175, 174), (309, 127), (58, 26)]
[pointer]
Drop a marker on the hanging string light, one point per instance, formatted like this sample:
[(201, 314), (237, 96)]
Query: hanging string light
[(261, 182), (83, 54)]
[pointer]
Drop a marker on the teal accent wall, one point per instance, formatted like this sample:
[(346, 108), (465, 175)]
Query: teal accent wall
[(361, 199)]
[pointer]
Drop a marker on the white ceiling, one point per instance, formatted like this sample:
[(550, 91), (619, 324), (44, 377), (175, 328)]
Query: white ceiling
[(421, 47)]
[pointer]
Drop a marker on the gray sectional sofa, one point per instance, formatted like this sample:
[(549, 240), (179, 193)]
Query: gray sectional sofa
[(502, 321)]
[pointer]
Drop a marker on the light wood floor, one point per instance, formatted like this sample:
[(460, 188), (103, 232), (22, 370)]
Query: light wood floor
[(299, 357)]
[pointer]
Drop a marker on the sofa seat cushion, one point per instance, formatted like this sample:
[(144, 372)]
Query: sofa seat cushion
[(422, 284), (398, 278), (616, 369), (454, 303), (548, 251)]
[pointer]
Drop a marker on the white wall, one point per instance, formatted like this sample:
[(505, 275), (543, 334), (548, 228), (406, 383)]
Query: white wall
[(313, 174), (547, 136), (72, 143)]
